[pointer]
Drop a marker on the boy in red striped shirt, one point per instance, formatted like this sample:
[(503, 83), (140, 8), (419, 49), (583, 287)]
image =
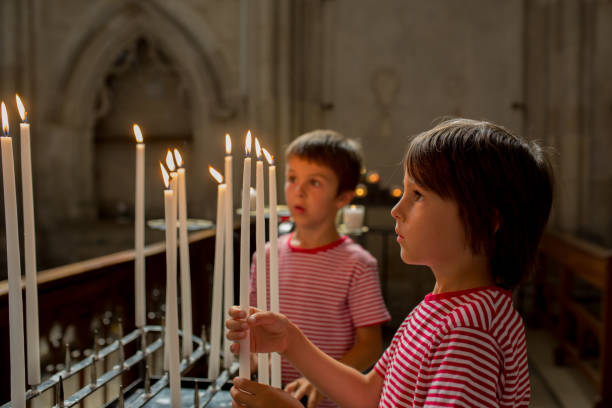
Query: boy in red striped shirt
[(476, 200), (328, 284)]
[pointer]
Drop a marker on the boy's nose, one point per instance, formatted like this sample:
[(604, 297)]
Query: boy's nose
[(395, 211)]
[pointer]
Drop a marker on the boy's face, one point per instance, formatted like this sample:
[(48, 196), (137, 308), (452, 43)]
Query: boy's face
[(429, 229), (311, 193)]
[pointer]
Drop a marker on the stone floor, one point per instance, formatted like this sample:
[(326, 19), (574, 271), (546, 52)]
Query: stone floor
[(555, 386)]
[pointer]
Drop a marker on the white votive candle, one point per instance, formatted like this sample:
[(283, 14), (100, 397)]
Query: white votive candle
[(217, 297), (139, 232), (275, 366), (172, 343), (184, 259), (245, 236), (17, 360), (29, 241), (228, 287), (263, 367)]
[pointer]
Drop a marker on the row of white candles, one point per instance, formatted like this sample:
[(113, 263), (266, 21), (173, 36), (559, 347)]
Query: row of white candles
[(224, 194), (224, 232), (17, 361)]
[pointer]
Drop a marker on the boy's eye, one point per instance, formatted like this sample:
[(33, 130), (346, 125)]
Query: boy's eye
[(417, 195), (315, 183), (291, 179)]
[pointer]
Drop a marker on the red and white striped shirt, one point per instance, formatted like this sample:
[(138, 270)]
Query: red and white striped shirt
[(460, 349), (327, 292)]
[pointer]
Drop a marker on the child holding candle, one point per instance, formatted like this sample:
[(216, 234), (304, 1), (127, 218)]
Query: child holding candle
[(328, 284), (475, 202)]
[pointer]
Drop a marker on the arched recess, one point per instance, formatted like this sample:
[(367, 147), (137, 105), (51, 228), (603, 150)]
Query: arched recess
[(83, 63)]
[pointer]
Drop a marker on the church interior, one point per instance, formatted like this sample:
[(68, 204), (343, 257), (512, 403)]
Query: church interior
[(191, 71)]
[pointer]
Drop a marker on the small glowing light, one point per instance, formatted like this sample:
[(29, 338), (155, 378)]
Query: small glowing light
[(247, 145), (165, 175), (5, 122), (373, 177), (396, 192), (257, 149), (228, 144), (178, 158), (137, 133), (269, 157), (21, 108), (216, 175), (170, 161), (361, 190)]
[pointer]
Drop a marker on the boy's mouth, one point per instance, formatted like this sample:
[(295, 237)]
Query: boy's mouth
[(399, 236), (298, 209)]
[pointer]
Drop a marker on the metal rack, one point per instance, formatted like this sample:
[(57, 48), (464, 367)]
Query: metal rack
[(137, 396)]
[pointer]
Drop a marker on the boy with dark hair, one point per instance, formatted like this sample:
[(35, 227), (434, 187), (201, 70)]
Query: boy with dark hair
[(328, 284), (475, 203)]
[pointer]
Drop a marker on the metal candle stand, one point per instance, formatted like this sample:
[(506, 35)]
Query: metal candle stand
[(135, 397)]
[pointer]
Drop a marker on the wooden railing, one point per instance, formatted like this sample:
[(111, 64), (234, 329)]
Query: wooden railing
[(572, 273), (77, 294)]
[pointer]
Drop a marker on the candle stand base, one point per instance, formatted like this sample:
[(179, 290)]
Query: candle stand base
[(148, 391)]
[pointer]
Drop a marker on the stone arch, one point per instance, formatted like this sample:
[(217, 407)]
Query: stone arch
[(85, 60)]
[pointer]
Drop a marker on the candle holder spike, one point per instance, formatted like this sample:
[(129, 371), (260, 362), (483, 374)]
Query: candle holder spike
[(121, 397), (60, 402), (147, 380), (67, 358)]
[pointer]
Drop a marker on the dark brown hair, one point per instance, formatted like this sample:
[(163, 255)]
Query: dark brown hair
[(501, 183), (331, 149)]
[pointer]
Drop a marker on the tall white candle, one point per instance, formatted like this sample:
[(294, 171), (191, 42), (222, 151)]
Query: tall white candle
[(14, 268), (174, 187), (184, 259), (263, 368), (217, 298), (228, 356), (245, 236), (275, 366), (29, 240), (139, 231), (172, 344)]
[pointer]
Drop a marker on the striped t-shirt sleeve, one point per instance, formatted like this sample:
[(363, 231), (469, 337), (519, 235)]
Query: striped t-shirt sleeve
[(365, 299), (464, 371)]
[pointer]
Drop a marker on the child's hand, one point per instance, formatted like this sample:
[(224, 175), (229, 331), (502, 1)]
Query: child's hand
[(247, 393), (269, 331), (302, 387)]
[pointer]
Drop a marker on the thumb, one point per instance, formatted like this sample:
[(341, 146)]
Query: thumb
[(248, 386), (262, 318)]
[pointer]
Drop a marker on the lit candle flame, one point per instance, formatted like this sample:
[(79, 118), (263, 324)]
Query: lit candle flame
[(373, 177), (170, 161), (247, 145), (269, 157), (396, 192), (361, 190), (257, 149), (228, 144), (21, 108), (5, 122), (137, 133), (178, 157), (165, 175), (216, 175)]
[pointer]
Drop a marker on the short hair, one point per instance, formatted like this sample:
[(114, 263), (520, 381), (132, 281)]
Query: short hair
[(503, 186), (331, 149)]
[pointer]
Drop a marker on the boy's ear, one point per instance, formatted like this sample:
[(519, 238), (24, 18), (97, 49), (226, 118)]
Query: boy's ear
[(344, 198)]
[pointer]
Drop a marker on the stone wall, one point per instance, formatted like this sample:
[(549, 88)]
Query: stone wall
[(379, 73)]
